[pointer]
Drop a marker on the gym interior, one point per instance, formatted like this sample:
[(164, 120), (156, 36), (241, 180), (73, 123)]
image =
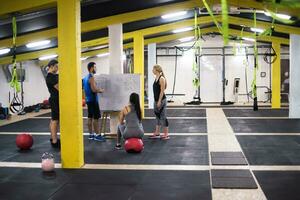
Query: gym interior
[(233, 98)]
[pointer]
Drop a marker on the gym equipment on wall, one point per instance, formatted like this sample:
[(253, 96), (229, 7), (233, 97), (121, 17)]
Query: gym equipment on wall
[(17, 104), (175, 75), (196, 64), (224, 80)]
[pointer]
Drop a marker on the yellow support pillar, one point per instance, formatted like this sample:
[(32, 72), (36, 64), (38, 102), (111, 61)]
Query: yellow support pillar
[(276, 76), (138, 63), (70, 93)]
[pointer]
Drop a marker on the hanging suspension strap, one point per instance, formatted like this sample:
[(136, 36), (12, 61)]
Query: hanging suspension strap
[(16, 104), (254, 87), (224, 30), (196, 51)]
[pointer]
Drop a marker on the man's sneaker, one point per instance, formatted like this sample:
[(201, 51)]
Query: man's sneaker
[(55, 145), (99, 138), (118, 147), (91, 136)]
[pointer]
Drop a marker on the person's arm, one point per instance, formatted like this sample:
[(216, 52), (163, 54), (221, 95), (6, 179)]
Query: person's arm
[(94, 87), (122, 116), (162, 82), (56, 86)]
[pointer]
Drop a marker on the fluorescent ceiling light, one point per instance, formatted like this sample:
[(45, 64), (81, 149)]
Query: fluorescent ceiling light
[(83, 58), (267, 14), (282, 16), (186, 39), (37, 44), (257, 30), (4, 51), (48, 57), (182, 30), (173, 15), (102, 55), (249, 39)]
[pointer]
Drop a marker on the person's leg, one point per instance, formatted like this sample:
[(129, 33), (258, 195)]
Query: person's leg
[(90, 128), (156, 133), (120, 133), (164, 120), (53, 130), (96, 116), (54, 124), (90, 121)]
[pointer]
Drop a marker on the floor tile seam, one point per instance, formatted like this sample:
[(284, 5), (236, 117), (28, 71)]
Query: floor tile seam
[(86, 133), (259, 190), (200, 167)]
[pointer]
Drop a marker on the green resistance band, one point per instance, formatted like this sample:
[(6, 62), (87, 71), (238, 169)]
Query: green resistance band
[(225, 23), (197, 34), (224, 30), (212, 16), (285, 21), (254, 91), (14, 81), (284, 3)]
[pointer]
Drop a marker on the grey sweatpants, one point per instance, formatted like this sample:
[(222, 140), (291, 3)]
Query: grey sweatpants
[(161, 113), (127, 133)]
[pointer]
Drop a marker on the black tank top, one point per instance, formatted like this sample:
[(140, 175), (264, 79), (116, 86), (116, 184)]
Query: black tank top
[(156, 90)]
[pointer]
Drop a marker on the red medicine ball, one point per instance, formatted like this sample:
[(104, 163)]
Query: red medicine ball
[(24, 141), (134, 145), (46, 102)]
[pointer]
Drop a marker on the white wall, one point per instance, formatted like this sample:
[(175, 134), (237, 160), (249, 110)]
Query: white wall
[(102, 64), (235, 68), (4, 89), (35, 89), (211, 74), (184, 78)]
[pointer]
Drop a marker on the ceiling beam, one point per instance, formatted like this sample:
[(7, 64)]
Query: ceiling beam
[(152, 12), (263, 6), (12, 6), (167, 38), (151, 30), (264, 25), (101, 23)]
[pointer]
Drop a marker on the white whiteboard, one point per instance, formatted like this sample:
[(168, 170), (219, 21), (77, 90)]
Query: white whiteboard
[(117, 89)]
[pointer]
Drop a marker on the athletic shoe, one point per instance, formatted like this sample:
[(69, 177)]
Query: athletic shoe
[(91, 136), (165, 137), (118, 147), (55, 145), (99, 138), (154, 136)]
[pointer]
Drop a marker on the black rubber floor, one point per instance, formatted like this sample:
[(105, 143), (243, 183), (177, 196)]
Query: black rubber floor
[(85, 114), (259, 113), (179, 113), (228, 158), (18, 183), (170, 113), (271, 150), (279, 185), (175, 126), (232, 179), (183, 150), (265, 125)]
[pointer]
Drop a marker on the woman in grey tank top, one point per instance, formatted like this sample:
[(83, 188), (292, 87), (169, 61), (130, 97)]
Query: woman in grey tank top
[(130, 121)]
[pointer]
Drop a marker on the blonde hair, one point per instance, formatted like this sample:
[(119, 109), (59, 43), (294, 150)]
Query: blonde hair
[(158, 68)]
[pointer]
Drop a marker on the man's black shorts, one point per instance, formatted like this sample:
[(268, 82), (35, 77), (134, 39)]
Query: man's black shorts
[(93, 110), (54, 104)]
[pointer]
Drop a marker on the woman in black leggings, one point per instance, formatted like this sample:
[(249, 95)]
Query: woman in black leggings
[(160, 103)]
